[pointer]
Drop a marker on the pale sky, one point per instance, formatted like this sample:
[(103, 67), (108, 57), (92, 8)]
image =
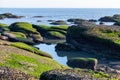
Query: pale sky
[(60, 3)]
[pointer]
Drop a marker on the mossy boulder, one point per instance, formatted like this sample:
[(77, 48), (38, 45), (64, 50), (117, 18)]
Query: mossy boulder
[(59, 22), (17, 37), (27, 29), (52, 32), (86, 63), (73, 74), (95, 38), (3, 27)]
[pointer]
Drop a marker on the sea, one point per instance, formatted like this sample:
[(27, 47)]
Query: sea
[(57, 14)]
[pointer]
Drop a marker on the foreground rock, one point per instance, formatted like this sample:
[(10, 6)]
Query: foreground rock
[(12, 74), (72, 74), (9, 15), (85, 63)]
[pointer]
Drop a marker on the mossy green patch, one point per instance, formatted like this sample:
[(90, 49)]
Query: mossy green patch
[(30, 48), (30, 65), (52, 31), (22, 27)]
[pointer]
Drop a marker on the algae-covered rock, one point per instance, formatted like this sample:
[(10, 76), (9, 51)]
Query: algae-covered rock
[(27, 29), (86, 63), (73, 74), (3, 27), (52, 32), (96, 38)]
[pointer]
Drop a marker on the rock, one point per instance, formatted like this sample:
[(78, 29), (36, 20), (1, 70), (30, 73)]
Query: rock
[(114, 18), (85, 63), (39, 21), (107, 19), (51, 20), (92, 20), (76, 20), (4, 37), (101, 23), (27, 29), (38, 16), (9, 15), (68, 74), (12, 74), (59, 22), (92, 37), (64, 47)]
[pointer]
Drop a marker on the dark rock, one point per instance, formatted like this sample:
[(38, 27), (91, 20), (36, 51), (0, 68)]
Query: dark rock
[(64, 47), (38, 16), (59, 22), (85, 63), (39, 21), (90, 37), (92, 20), (75, 20), (101, 23), (107, 19), (51, 20), (9, 15), (68, 74)]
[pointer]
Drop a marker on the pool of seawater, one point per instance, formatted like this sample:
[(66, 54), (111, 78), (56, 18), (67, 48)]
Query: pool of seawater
[(63, 56)]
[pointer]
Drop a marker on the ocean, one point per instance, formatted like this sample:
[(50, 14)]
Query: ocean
[(55, 14)]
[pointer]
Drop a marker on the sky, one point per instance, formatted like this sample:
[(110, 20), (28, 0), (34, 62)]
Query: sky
[(59, 3)]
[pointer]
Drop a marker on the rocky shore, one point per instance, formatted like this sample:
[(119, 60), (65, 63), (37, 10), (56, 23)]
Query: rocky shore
[(19, 59)]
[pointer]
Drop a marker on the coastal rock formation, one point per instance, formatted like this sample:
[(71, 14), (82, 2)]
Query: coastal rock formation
[(27, 29), (59, 22), (85, 63), (72, 74), (9, 15), (95, 38), (52, 32), (12, 74), (114, 18)]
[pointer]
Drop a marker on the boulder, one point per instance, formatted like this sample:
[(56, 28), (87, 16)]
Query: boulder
[(73, 74), (85, 63), (9, 15), (64, 47), (59, 22), (27, 29)]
